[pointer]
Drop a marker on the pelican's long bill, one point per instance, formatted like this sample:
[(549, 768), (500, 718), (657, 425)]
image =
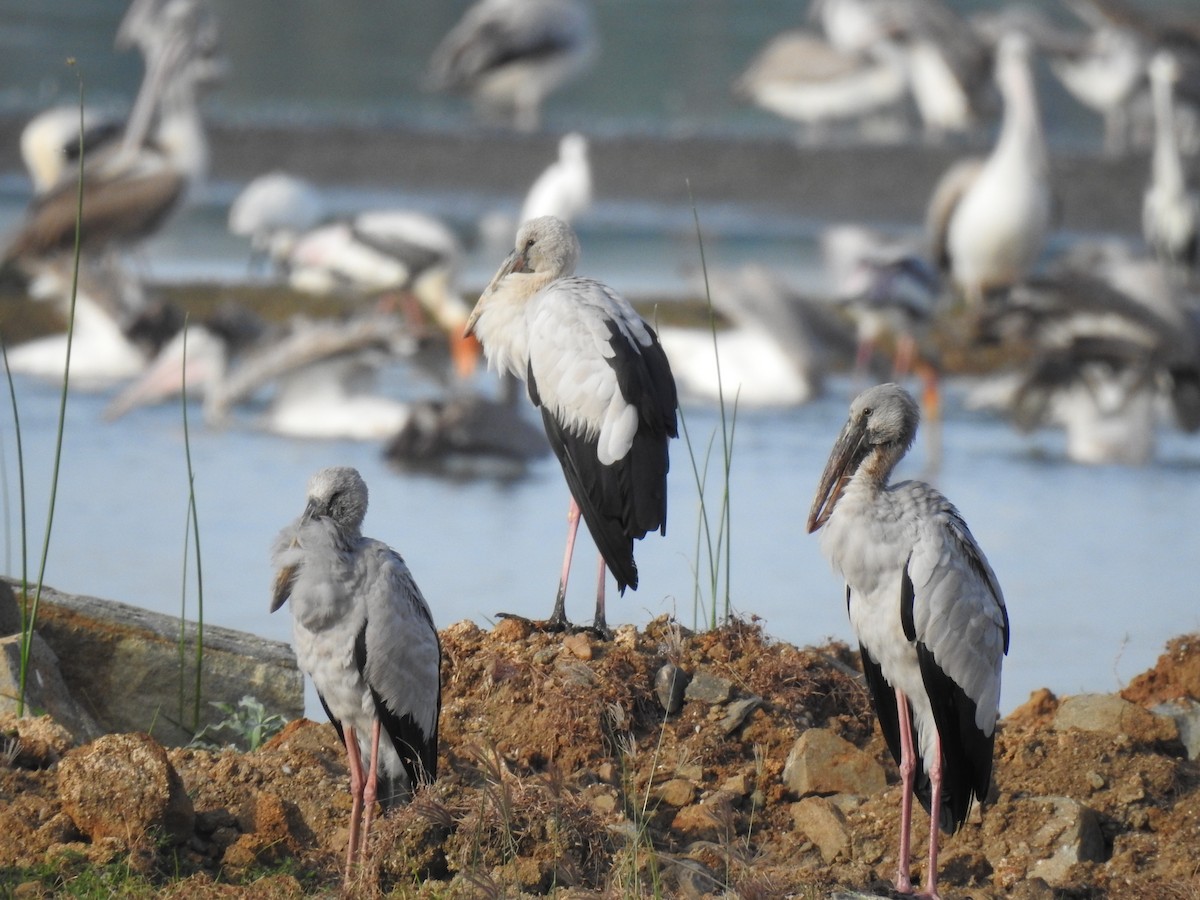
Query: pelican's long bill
[(848, 451), (514, 262)]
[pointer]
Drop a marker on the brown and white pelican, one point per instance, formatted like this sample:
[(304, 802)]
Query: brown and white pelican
[(928, 612), (988, 219), (366, 638), (509, 55), (564, 189), (1170, 212), (604, 387), (133, 187)]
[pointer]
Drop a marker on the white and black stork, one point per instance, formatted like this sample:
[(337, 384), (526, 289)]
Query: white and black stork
[(603, 384), (927, 610), (365, 636)]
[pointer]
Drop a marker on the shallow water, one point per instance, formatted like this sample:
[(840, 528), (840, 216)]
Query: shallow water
[(1097, 563)]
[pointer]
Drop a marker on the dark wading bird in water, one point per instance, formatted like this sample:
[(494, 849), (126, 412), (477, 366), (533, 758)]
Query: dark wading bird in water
[(365, 636), (603, 384), (927, 610)]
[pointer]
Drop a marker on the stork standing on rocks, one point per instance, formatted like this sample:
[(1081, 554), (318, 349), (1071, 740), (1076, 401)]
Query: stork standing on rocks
[(604, 386), (927, 609), (365, 636)]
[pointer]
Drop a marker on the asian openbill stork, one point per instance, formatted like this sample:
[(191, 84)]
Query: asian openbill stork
[(604, 386), (365, 636), (927, 610)]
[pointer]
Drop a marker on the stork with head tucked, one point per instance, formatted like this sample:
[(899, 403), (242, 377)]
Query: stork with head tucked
[(604, 386), (365, 636), (927, 610)]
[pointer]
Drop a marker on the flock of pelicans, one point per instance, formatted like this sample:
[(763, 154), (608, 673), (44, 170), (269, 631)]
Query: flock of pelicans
[(1114, 336)]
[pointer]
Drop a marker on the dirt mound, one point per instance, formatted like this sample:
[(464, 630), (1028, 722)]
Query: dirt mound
[(561, 773)]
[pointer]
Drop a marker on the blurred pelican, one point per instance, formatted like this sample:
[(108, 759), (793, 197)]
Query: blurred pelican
[(130, 190), (773, 353), (564, 189), (386, 253), (511, 54), (988, 218), (1169, 209), (800, 77), (1106, 366), (944, 62), (273, 210)]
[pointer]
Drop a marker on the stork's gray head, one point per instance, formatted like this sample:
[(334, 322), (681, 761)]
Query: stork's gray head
[(340, 494), (546, 248), (882, 425)]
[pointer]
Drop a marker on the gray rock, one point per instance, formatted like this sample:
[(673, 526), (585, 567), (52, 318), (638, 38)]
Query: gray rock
[(736, 713), (709, 688), (670, 684), (822, 762), (45, 691), (1070, 832), (1186, 714), (1110, 714), (122, 664)]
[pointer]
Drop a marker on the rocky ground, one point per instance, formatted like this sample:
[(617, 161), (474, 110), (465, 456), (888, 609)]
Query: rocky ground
[(561, 773)]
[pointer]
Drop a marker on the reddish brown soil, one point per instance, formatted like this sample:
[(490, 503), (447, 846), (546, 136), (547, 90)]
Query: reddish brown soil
[(560, 774)]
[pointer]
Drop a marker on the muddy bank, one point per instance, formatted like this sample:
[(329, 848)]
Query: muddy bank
[(562, 774)]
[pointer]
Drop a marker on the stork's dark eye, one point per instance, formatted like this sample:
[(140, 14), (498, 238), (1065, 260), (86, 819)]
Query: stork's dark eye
[(529, 243), (866, 412)]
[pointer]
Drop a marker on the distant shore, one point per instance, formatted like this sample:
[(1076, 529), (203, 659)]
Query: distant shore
[(873, 183)]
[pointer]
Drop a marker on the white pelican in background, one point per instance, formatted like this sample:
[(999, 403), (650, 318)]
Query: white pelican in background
[(1169, 210), (772, 354), (511, 54), (366, 638), (928, 612), (988, 219), (604, 387), (564, 189), (801, 77)]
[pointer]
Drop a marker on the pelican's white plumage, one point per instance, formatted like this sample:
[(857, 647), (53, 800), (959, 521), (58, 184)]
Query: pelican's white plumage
[(927, 609), (603, 384), (366, 637), (988, 220)]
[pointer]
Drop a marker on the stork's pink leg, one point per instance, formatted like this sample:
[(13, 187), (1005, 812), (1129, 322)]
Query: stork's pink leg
[(357, 785), (558, 619), (935, 806), (908, 771), (371, 789), (599, 624)]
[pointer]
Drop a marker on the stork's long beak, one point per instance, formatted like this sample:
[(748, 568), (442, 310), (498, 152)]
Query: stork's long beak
[(514, 262), (848, 452)]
